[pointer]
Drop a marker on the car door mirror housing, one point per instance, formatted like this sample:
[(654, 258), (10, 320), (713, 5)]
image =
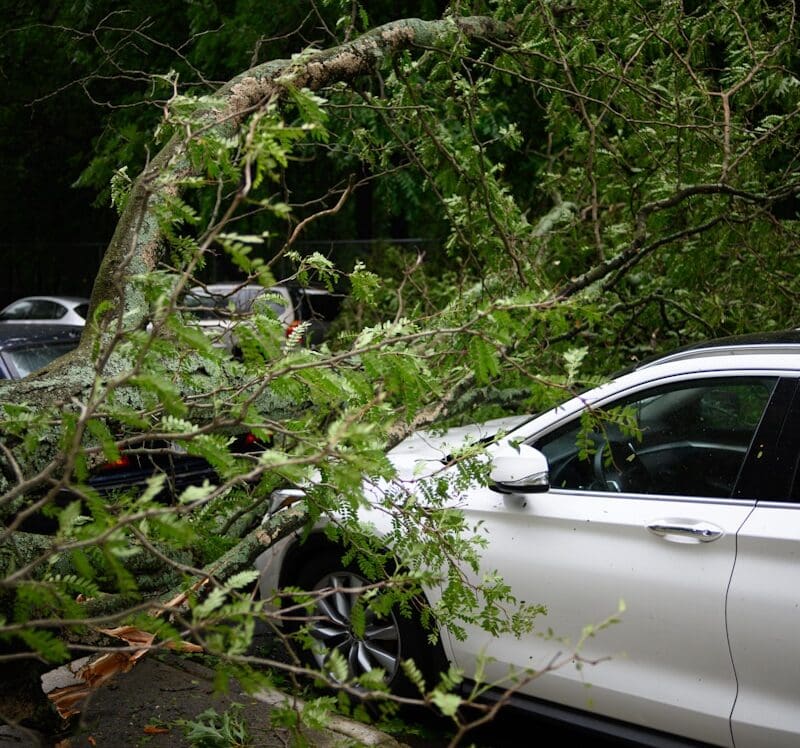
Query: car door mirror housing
[(520, 469)]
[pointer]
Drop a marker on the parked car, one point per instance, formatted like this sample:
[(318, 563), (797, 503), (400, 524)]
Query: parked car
[(25, 348), (219, 306), (690, 515), (66, 310), (181, 470)]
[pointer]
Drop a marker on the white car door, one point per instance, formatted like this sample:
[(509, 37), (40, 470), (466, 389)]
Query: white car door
[(630, 531)]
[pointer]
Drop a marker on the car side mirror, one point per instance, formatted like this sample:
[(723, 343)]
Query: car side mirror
[(520, 469)]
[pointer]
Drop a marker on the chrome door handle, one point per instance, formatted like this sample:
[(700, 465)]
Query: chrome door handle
[(701, 532)]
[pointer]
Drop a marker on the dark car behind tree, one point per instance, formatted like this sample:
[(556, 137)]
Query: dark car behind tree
[(27, 348)]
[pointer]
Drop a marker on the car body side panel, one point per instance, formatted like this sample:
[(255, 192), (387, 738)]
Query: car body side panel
[(764, 597), (666, 664)]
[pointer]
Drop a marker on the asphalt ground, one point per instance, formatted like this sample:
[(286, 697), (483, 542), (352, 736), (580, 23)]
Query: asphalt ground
[(147, 707)]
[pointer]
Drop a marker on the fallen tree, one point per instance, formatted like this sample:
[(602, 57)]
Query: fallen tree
[(105, 397), (633, 173)]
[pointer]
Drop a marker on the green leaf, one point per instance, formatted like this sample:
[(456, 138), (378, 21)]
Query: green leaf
[(483, 360), (337, 665), (242, 579), (166, 392), (214, 601), (154, 486), (100, 431), (196, 493), (68, 516), (573, 358), (448, 703), (120, 188), (46, 644)]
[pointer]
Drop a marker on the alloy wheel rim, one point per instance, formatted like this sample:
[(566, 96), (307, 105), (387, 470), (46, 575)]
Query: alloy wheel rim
[(378, 647)]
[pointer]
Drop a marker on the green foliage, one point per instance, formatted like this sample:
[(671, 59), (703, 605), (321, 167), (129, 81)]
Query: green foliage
[(120, 188), (484, 360), (213, 730), (447, 703), (159, 391), (46, 644)]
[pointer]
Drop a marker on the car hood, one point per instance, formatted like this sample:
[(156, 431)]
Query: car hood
[(418, 456), (424, 451)]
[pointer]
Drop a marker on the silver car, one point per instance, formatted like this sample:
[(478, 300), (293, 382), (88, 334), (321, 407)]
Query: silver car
[(218, 307), (66, 310)]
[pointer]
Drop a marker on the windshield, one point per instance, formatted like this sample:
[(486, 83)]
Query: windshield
[(23, 361), (206, 306)]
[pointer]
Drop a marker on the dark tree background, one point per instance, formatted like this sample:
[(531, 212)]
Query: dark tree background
[(79, 102)]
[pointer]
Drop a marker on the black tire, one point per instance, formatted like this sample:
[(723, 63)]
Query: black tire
[(387, 639)]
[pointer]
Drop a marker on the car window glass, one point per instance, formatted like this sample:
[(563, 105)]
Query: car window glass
[(41, 309), (82, 310), (207, 307), (34, 309), (27, 360), (244, 299), (688, 439), (19, 310)]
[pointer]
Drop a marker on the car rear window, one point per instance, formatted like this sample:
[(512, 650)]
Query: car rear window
[(24, 361)]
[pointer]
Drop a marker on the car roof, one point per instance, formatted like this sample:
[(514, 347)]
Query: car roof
[(65, 299), (772, 342), (14, 335), (222, 288)]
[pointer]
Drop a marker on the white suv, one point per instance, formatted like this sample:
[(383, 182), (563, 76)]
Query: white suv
[(690, 515)]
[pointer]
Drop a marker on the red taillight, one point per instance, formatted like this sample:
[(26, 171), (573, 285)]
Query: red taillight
[(250, 439), (291, 327), (123, 462)]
